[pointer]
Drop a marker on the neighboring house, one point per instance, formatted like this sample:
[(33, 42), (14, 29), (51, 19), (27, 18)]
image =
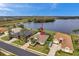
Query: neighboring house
[(20, 33), (14, 32), (26, 33), (14, 35), (65, 41), (2, 30)]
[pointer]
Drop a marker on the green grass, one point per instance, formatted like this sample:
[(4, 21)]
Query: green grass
[(40, 48), (49, 31), (6, 38), (19, 42), (61, 53)]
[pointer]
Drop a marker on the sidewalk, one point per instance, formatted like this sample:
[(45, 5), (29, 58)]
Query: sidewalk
[(25, 46), (12, 40)]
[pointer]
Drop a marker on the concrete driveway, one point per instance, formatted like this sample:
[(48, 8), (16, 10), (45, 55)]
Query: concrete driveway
[(54, 49)]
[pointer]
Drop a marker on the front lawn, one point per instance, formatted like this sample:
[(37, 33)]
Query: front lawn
[(19, 42), (5, 38), (40, 48)]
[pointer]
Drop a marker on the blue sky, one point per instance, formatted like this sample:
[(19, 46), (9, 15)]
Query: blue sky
[(39, 9)]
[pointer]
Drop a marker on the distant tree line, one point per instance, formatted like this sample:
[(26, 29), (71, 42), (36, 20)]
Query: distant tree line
[(40, 20)]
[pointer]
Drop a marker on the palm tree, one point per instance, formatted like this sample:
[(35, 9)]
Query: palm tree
[(9, 32)]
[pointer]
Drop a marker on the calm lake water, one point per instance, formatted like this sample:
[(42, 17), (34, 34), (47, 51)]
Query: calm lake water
[(65, 26)]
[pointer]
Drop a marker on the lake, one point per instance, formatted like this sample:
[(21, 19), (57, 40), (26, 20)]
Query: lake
[(65, 26)]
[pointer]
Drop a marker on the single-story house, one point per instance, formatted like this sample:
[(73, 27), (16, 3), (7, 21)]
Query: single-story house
[(40, 38), (65, 41)]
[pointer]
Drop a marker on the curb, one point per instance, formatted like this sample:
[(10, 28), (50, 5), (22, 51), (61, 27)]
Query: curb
[(37, 52), (6, 52)]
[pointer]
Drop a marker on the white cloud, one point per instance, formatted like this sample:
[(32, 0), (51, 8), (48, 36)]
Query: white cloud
[(54, 6), (4, 7)]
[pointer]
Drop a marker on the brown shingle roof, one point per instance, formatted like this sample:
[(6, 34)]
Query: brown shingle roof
[(67, 41)]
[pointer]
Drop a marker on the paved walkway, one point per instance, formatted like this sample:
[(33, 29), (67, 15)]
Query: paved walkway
[(25, 46), (53, 49), (12, 40), (6, 33)]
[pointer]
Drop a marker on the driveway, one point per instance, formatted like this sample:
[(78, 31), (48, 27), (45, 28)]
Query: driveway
[(54, 49)]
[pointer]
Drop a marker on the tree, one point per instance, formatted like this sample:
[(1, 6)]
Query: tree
[(76, 31)]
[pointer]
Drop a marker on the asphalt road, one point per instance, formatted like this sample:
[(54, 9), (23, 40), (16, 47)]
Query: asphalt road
[(15, 50)]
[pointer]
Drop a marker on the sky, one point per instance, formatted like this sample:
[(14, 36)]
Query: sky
[(39, 9)]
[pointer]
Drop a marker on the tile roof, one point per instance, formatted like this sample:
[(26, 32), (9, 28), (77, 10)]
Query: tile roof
[(42, 38), (66, 42)]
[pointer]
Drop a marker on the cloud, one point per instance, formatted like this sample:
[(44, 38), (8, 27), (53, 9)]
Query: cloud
[(4, 7), (54, 6), (20, 5)]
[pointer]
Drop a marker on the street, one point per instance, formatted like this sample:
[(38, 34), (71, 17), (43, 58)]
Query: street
[(16, 50)]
